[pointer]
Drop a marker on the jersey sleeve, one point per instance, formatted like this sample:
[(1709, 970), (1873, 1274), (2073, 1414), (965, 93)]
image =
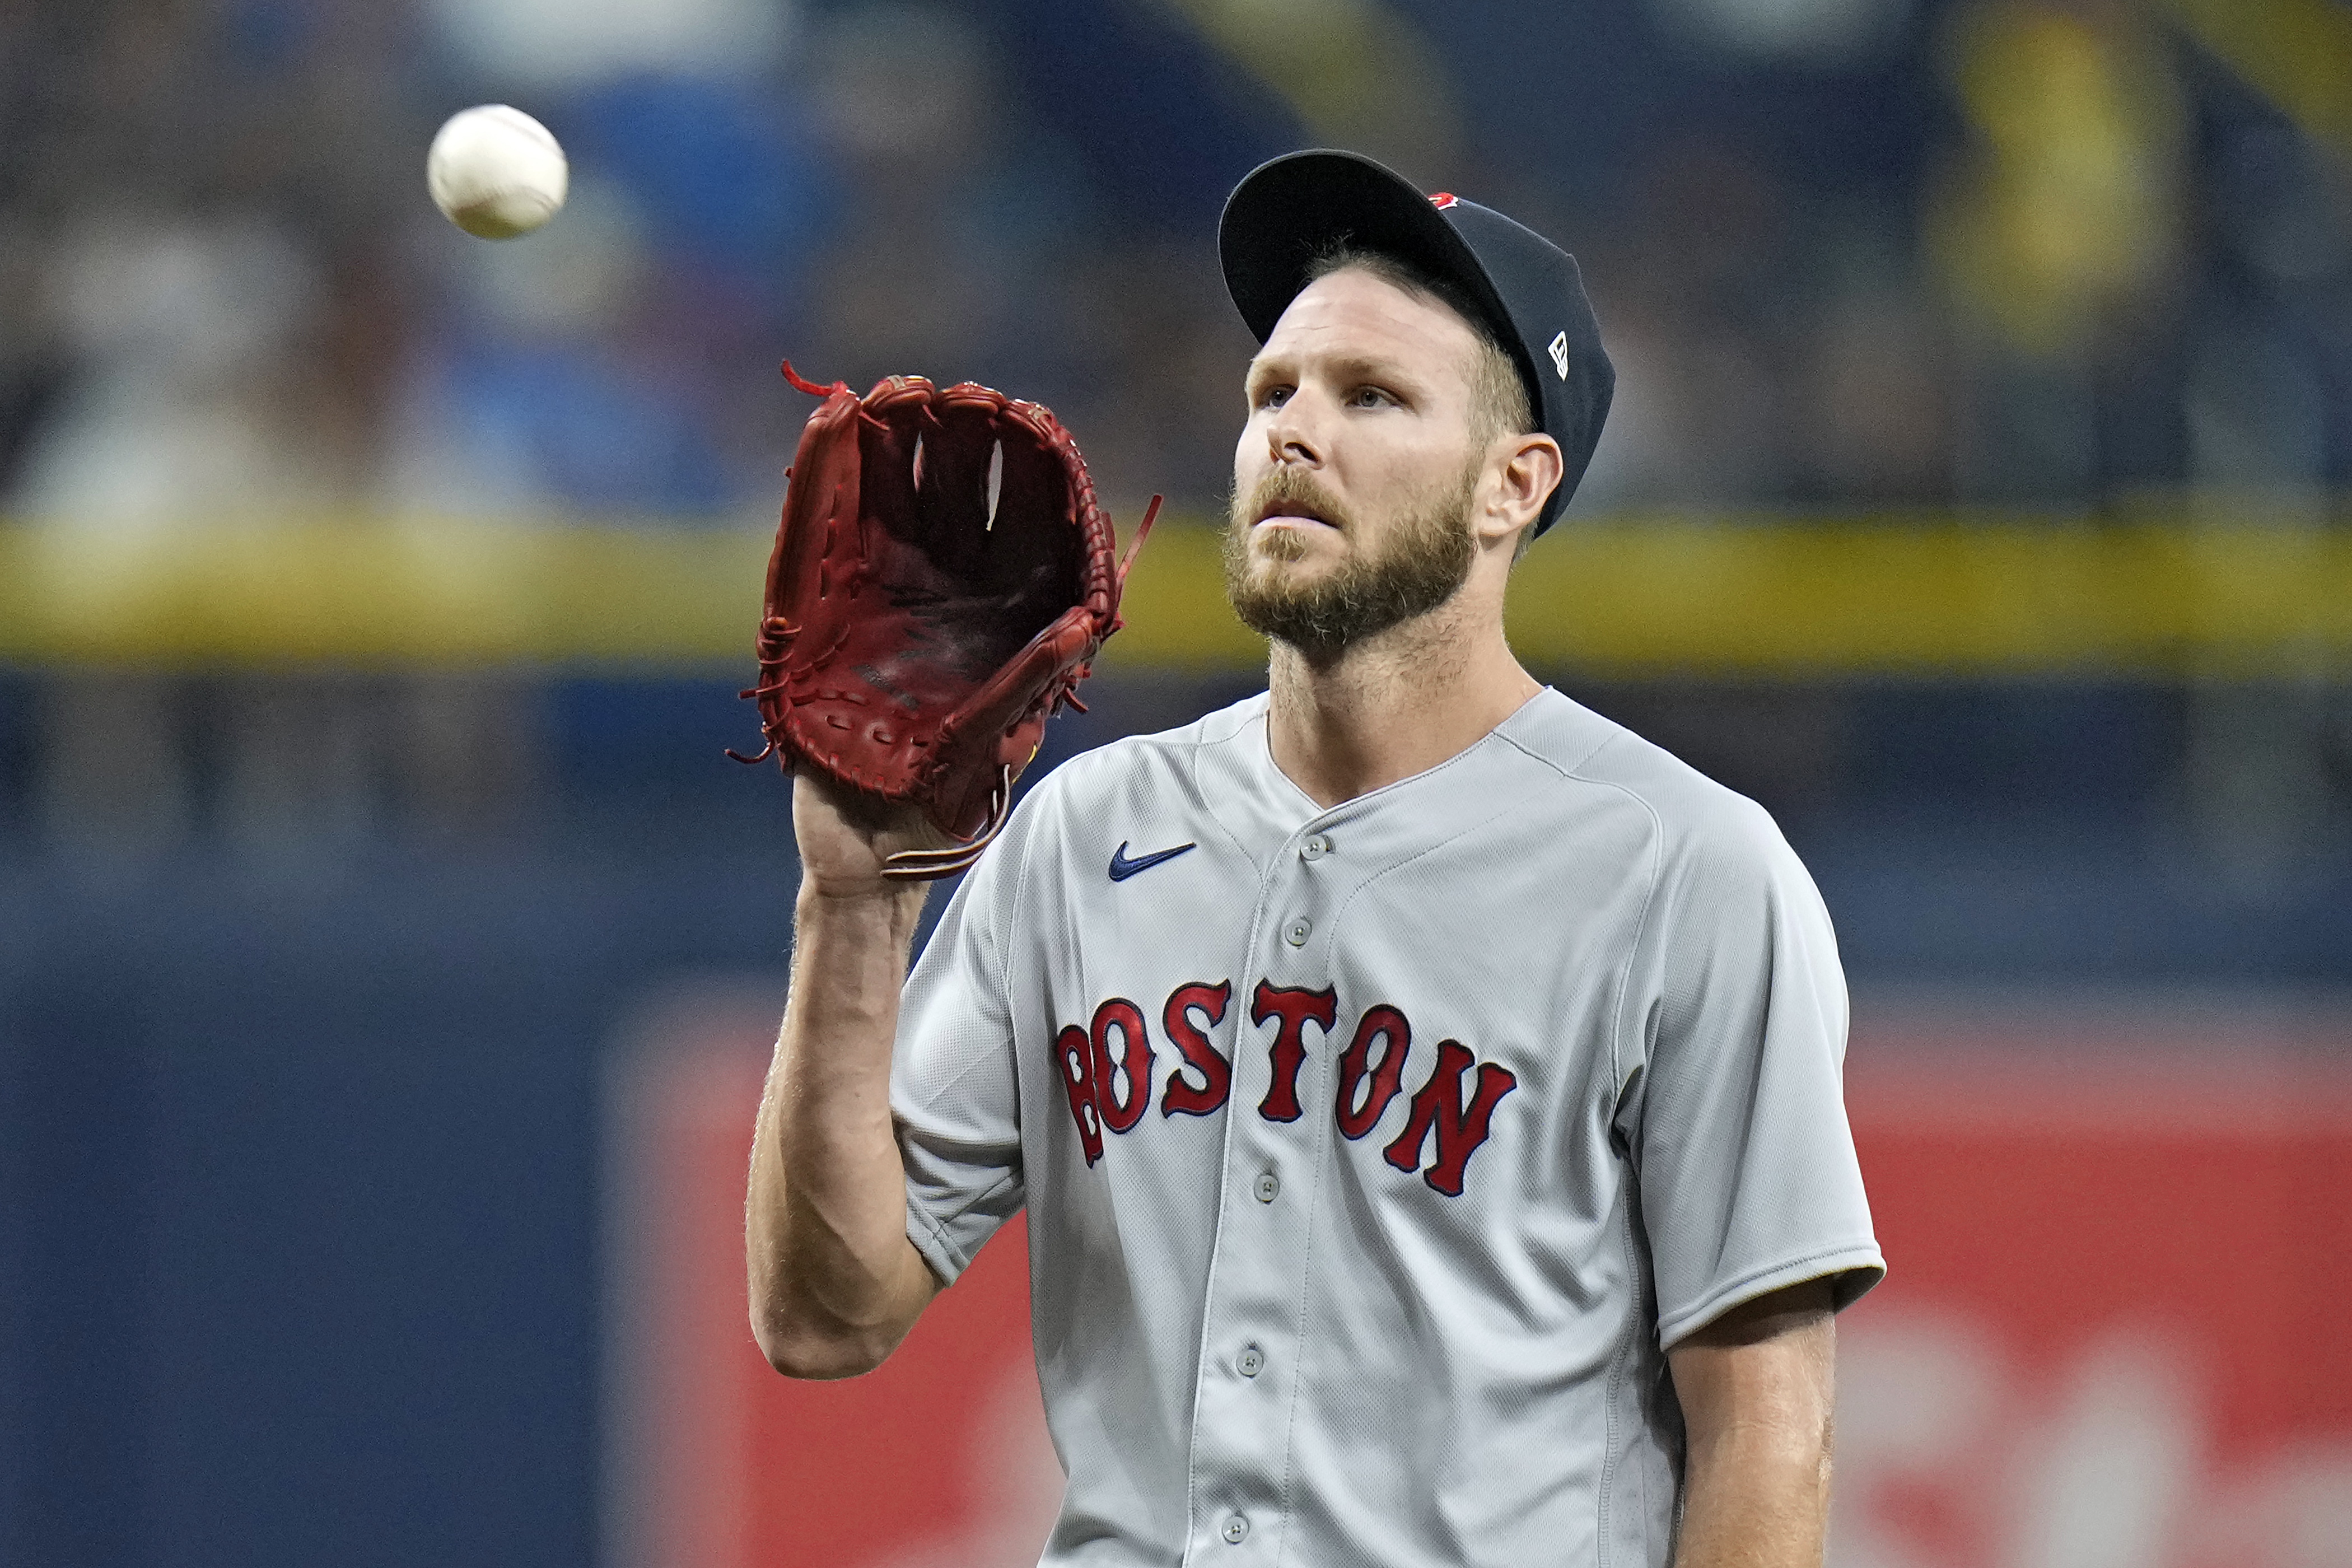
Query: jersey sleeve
[(954, 1095), (1745, 1162)]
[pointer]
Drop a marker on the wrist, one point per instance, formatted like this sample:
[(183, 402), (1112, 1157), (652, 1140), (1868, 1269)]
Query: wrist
[(859, 898)]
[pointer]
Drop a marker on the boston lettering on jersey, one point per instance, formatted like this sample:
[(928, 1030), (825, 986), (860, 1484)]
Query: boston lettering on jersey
[(1109, 1070)]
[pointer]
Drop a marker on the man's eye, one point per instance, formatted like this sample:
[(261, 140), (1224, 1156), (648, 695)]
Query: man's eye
[(1273, 397), (1369, 397)]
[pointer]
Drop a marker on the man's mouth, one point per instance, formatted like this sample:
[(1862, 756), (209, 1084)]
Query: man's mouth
[(1296, 514)]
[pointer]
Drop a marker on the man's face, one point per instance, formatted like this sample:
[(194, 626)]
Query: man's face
[(1353, 479)]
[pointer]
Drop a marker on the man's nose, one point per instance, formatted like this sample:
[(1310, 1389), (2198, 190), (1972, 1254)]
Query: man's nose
[(1288, 439)]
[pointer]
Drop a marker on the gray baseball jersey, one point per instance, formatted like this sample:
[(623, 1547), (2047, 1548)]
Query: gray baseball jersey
[(1374, 1155)]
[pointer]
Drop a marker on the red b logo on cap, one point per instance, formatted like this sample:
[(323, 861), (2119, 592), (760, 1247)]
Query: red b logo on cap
[(1442, 199)]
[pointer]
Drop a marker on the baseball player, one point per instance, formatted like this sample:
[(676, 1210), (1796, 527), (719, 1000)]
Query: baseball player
[(1425, 1093)]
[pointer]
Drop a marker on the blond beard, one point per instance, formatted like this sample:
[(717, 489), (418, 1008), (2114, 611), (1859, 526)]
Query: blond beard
[(1425, 559)]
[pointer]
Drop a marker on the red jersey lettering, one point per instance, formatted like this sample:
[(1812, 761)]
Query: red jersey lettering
[(1379, 1082), (1131, 1067), (1181, 1096), (1296, 1009), (1074, 1053), (1460, 1127)]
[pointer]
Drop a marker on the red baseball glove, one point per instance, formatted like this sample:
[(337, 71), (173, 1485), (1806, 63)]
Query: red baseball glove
[(942, 581)]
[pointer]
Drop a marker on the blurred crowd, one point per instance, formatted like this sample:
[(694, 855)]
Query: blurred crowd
[(2081, 258), (2048, 253), (229, 296)]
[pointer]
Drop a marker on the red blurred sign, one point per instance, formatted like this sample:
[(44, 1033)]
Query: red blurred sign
[(2113, 1336), (2112, 1332), (940, 1459)]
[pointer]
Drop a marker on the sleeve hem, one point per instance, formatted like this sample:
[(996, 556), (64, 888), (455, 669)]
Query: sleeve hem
[(1857, 1265)]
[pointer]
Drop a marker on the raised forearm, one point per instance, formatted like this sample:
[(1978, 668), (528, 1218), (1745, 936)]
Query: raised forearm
[(834, 1282)]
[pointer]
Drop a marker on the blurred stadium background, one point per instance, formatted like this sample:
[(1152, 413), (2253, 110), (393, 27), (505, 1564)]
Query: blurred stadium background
[(387, 952)]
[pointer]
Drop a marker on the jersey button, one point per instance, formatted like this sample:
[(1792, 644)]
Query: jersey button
[(1236, 1530), (1316, 848), (1269, 1184), (1251, 1361), (1297, 932)]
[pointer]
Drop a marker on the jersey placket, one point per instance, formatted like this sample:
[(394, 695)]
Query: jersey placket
[(1247, 1390)]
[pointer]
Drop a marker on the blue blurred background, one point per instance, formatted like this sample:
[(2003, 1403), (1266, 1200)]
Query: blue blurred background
[(308, 957)]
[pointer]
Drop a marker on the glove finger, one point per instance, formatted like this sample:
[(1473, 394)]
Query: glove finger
[(956, 467), (890, 439), (824, 486), (1033, 537), (1036, 485)]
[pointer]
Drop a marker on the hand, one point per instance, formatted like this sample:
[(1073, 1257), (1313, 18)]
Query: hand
[(845, 836)]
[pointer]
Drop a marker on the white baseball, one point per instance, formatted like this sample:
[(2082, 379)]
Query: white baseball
[(495, 172)]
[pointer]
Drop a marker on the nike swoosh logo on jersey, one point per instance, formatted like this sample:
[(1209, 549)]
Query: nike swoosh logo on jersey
[(1121, 868)]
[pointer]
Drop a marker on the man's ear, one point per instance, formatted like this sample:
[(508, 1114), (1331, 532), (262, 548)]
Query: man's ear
[(1530, 471)]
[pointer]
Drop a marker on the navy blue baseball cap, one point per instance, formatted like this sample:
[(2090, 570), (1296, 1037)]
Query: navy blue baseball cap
[(1290, 211)]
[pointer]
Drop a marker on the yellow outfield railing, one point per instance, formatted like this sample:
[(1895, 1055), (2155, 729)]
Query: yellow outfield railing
[(1919, 594)]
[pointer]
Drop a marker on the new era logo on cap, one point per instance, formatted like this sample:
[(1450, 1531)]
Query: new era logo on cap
[(1559, 347), (1442, 199)]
